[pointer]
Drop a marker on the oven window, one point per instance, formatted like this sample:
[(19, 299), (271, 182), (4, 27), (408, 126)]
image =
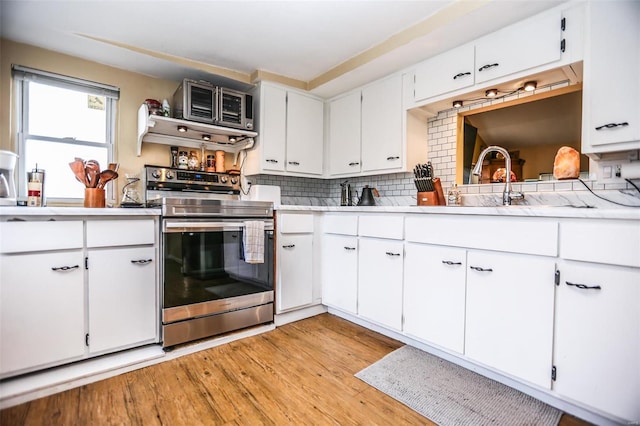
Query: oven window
[(206, 266)]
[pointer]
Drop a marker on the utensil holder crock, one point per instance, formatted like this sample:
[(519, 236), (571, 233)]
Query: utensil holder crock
[(94, 197)]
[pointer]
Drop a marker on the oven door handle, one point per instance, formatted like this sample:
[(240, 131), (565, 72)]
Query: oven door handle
[(209, 226)]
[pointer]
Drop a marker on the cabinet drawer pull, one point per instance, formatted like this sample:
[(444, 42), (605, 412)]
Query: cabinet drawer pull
[(612, 125), (583, 286), (354, 163), (390, 253), (294, 163), (478, 268), (271, 160), (64, 268), (289, 246), (462, 74), (349, 248), (448, 262), (391, 158), (142, 261), (484, 67)]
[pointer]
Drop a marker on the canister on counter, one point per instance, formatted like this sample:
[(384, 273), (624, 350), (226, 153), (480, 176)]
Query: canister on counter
[(183, 160), (220, 167), (211, 163), (35, 188)]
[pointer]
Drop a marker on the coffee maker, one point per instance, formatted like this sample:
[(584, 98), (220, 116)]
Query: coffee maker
[(7, 183)]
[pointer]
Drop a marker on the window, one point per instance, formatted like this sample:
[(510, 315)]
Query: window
[(61, 118)]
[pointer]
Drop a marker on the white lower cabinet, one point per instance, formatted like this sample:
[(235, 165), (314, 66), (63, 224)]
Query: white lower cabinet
[(122, 298), (434, 294), (67, 295), (295, 261), (509, 313), (340, 272), (295, 283), (41, 310), (597, 337), (380, 266)]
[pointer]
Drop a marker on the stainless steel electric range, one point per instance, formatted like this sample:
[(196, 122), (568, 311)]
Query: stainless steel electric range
[(208, 288)]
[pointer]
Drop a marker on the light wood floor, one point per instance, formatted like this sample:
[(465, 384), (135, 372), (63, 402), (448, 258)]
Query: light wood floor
[(300, 373)]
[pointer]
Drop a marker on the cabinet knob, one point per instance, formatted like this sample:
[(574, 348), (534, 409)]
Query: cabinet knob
[(392, 158), (294, 163), (390, 253), (349, 248), (448, 262), (484, 67), (354, 163), (612, 125), (271, 160), (289, 246), (142, 261)]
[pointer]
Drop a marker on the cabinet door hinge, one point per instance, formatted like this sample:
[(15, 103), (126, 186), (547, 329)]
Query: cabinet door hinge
[(556, 279), (553, 373), (563, 45), (86, 340), (86, 263)]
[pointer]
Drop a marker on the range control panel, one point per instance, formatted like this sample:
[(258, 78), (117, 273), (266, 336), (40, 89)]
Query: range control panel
[(165, 178)]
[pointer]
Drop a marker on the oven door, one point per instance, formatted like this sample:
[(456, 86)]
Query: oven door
[(204, 271)]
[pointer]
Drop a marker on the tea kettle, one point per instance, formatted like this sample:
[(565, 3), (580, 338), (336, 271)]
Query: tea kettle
[(366, 199)]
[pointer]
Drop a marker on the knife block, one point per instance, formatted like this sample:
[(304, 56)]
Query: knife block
[(427, 198)]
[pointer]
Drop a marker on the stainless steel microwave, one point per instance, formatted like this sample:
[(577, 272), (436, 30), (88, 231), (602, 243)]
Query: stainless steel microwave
[(206, 103)]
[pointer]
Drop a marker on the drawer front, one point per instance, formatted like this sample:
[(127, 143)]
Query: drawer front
[(106, 233), (611, 242), (341, 224), (295, 223), (379, 226), (28, 236), (528, 236)]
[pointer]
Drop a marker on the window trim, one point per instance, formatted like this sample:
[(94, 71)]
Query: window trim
[(22, 75)]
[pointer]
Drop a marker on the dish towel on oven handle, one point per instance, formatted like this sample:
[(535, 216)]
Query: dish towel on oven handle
[(253, 241)]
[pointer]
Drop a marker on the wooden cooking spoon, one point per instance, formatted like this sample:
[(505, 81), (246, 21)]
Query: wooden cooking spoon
[(106, 176), (77, 166)]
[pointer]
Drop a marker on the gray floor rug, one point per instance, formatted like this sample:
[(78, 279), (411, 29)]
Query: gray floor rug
[(448, 394)]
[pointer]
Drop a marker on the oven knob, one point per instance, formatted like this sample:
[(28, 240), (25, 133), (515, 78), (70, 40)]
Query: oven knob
[(223, 179), (169, 174), (234, 180), (156, 174)]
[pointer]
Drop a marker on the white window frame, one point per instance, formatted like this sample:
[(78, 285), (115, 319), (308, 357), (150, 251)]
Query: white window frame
[(22, 76)]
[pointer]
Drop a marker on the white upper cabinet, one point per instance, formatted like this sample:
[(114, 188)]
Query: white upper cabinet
[(365, 130), (526, 44), (305, 125), (537, 43), (610, 108), (382, 125), (344, 134), (445, 73), (290, 126)]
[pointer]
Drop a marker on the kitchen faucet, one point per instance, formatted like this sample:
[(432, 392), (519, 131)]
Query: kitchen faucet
[(508, 194)]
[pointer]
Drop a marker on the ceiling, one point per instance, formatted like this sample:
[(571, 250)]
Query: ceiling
[(327, 47)]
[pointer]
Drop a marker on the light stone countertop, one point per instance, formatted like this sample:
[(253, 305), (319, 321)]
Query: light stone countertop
[(515, 210), (75, 211)]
